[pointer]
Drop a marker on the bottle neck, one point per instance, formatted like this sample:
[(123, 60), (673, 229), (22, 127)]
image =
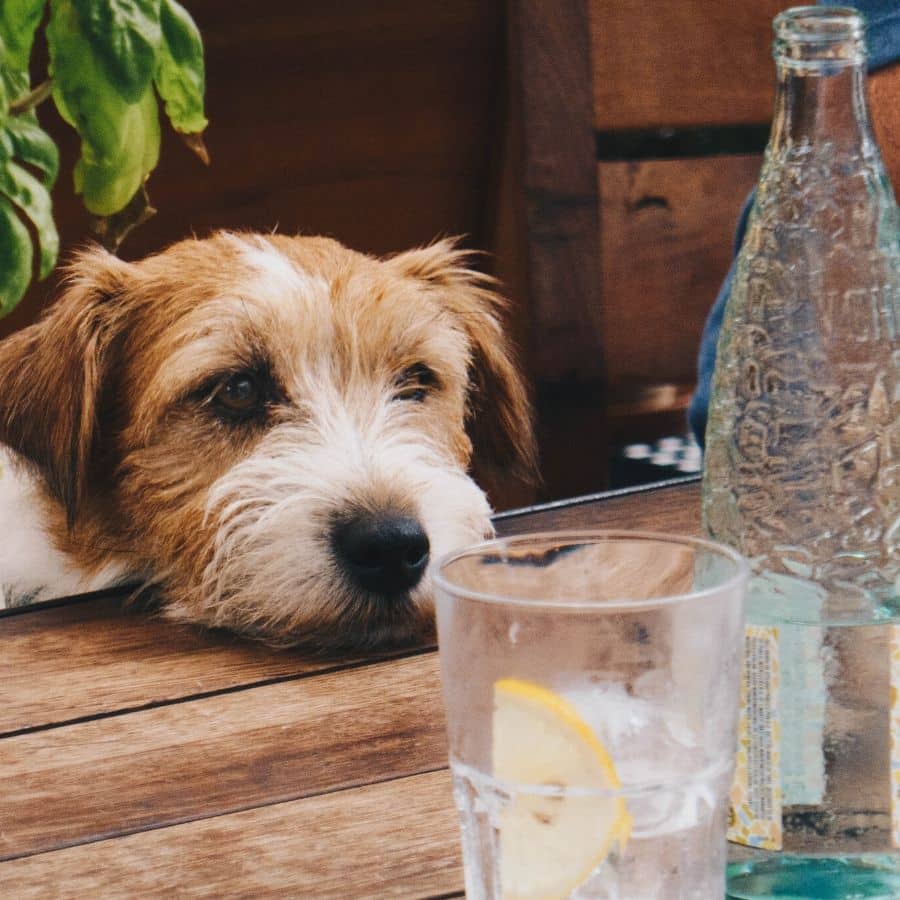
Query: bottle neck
[(815, 108)]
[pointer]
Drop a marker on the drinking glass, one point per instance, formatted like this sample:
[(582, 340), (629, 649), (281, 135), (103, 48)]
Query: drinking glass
[(591, 683)]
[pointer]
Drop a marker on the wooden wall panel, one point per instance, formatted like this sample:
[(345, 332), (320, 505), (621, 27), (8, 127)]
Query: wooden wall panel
[(550, 91), (679, 87), (667, 229), (368, 122), (676, 63), (387, 124)]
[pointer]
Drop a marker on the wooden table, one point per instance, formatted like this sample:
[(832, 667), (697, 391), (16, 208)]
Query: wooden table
[(139, 758)]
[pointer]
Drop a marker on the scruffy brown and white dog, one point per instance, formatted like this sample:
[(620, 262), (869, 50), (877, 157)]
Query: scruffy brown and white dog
[(276, 433)]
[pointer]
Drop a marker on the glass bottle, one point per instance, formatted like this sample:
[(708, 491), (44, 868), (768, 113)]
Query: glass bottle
[(802, 474)]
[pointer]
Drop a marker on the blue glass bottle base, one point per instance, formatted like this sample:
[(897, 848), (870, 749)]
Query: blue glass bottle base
[(801, 878)]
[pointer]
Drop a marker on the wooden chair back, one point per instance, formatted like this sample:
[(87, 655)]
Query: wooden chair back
[(631, 136)]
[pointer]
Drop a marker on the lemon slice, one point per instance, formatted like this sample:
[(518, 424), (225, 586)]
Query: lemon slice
[(551, 841)]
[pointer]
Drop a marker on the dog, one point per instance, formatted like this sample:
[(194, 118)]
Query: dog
[(274, 435)]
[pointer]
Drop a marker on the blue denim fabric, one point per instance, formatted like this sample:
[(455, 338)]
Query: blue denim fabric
[(883, 38), (882, 30)]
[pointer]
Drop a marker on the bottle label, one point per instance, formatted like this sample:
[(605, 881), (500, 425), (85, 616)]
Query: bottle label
[(895, 735), (754, 817), (802, 698)]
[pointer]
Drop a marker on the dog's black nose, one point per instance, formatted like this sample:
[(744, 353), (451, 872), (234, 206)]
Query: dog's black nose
[(385, 554)]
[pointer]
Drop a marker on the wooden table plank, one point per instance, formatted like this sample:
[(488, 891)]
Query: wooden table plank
[(219, 754), (393, 839), (674, 510), (118, 660), (200, 764)]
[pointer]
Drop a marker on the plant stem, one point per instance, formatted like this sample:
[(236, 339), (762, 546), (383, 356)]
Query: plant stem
[(32, 99)]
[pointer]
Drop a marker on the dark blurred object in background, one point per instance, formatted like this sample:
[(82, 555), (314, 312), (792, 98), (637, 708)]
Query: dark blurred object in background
[(668, 457)]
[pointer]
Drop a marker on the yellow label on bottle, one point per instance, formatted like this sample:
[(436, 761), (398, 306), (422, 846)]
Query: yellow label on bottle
[(754, 817)]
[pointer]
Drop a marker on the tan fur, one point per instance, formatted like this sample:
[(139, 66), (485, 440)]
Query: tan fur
[(101, 397)]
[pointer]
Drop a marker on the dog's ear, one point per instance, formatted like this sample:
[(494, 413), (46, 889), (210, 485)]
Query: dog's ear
[(500, 422), (51, 375)]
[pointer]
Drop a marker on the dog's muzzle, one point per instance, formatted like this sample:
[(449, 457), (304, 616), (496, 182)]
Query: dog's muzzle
[(382, 553)]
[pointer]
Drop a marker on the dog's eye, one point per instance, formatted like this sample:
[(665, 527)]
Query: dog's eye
[(239, 395), (414, 383)]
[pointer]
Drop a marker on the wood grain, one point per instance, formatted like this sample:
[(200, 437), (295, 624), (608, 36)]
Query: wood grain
[(549, 82), (668, 229), (219, 754), (671, 510), (377, 124), (682, 62), (364, 121), (395, 839), (550, 72), (329, 784), (118, 659)]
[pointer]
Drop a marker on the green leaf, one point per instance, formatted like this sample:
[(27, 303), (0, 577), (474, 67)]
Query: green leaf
[(19, 20), (108, 182), (180, 78), (9, 82), (16, 258), (16, 85), (30, 144), (125, 35), (119, 140), (4, 93), (23, 189), (82, 92)]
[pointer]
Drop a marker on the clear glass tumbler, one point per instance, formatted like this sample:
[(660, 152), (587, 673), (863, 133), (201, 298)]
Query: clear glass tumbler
[(591, 686)]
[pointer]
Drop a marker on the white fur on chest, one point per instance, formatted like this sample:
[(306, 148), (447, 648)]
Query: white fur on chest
[(31, 567)]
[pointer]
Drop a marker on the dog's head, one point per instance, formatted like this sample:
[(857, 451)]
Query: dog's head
[(277, 432)]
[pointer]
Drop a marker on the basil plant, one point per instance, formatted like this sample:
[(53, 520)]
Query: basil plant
[(111, 62)]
